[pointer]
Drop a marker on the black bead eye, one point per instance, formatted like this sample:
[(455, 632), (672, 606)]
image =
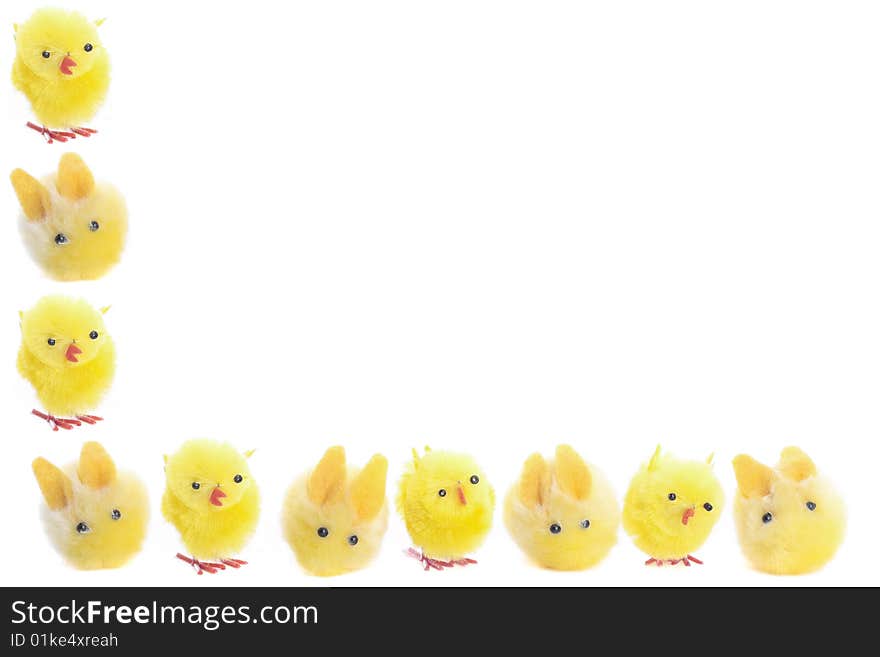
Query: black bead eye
[(708, 506), (115, 514), (94, 225), (585, 524), (61, 239), (671, 497), (442, 492), (196, 485), (353, 539), (46, 54), (93, 335), (323, 532), (811, 506), (51, 342), (475, 480), (238, 479), (767, 517), (555, 528), (88, 47), (82, 528)]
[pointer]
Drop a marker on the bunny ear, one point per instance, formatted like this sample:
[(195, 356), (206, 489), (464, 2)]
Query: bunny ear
[(55, 485), (96, 469), (572, 473), (534, 484), (655, 459), (74, 181), (368, 488), (795, 464), (753, 478), (32, 195), (327, 481)]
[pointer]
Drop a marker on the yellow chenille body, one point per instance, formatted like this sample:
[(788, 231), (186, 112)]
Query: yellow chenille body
[(451, 525), (64, 387), (59, 99), (665, 511), (210, 531)]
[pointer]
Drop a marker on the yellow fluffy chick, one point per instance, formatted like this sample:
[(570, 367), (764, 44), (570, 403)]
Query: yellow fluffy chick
[(671, 507), (95, 517), (68, 357), (563, 514), (447, 505), (789, 520), (335, 517), (212, 500), (73, 228), (63, 70)]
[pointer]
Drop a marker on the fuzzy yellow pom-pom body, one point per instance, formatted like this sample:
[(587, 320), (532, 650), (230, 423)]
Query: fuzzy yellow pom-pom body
[(563, 513), (665, 510), (335, 516), (94, 516), (68, 368), (789, 519), (73, 227), (66, 88), (452, 523), (211, 498)]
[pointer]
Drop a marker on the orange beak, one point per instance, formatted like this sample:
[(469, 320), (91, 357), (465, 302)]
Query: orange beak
[(72, 352), (687, 515), (66, 65), (461, 497), (216, 496)]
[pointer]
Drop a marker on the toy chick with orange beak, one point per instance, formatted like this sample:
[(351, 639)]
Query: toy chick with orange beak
[(68, 357), (213, 501), (671, 507), (447, 504), (63, 69)]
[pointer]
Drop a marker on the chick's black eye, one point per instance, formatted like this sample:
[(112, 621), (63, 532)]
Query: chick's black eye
[(708, 506), (82, 528), (671, 497), (93, 335), (323, 532), (115, 514), (196, 485), (46, 54), (51, 342), (585, 524), (88, 47), (475, 480), (442, 492), (238, 479), (555, 528), (94, 225), (353, 539), (767, 517), (811, 506), (60, 239)]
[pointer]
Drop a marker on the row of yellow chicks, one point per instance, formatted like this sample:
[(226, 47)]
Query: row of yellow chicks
[(562, 512)]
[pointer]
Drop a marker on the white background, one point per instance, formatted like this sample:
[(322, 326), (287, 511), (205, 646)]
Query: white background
[(489, 226)]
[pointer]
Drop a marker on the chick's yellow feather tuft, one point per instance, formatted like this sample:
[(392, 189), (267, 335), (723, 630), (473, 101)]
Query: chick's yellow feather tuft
[(210, 498), (66, 354), (95, 517), (671, 506), (335, 516), (563, 514), (61, 66), (789, 519), (447, 504)]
